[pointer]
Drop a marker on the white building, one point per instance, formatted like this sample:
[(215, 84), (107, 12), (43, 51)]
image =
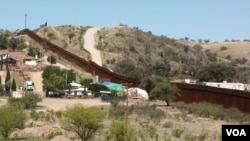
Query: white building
[(77, 90), (226, 85)]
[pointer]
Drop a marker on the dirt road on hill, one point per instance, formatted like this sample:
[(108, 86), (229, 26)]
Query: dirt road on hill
[(89, 44)]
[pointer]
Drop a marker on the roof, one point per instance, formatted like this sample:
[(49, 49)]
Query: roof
[(18, 56), (29, 58)]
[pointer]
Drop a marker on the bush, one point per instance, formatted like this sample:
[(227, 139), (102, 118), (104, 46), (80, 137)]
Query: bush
[(177, 132), (117, 112), (120, 131), (10, 119), (29, 101), (84, 121), (168, 124), (51, 59)]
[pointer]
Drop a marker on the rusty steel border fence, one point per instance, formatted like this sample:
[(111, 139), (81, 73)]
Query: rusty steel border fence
[(88, 66), (226, 97)]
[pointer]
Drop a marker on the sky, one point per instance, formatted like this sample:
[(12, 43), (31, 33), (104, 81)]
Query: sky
[(215, 20)]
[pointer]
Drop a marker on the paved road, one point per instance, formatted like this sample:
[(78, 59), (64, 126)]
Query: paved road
[(89, 44)]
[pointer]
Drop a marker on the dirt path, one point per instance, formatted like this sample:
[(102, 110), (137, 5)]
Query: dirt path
[(61, 104), (89, 44)]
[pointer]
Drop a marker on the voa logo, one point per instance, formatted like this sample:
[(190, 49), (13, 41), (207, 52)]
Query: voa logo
[(236, 132)]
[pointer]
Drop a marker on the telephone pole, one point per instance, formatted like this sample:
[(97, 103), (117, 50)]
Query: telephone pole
[(26, 20)]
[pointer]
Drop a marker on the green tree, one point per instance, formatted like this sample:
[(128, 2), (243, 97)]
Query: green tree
[(7, 81), (13, 86), (3, 39), (84, 121), (164, 91), (216, 72), (11, 118), (51, 59), (55, 83), (54, 79), (120, 131)]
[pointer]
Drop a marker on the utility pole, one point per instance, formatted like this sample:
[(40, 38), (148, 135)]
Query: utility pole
[(26, 20)]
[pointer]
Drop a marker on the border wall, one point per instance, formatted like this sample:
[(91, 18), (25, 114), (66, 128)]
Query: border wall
[(226, 97), (88, 66)]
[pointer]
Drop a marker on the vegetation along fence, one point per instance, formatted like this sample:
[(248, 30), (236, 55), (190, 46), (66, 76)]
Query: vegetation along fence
[(226, 97), (88, 66)]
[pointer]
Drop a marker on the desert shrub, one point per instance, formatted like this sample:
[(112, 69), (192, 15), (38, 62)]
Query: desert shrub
[(206, 109), (117, 112), (10, 119), (202, 136), (16, 102), (177, 132), (114, 102), (120, 35), (58, 114), (190, 137), (167, 124), (150, 111), (120, 131), (84, 121), (152, 132), (29, 101), (34, 115), (223, 48), (41, 115), (51, 135)]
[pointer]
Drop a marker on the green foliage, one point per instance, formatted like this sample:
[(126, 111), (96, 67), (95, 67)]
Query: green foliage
[(164, 91), (3, 40), (242, 60), (150, 112), (17, 43), (216, 72), (11, 118), (120, 35), (95, 88), (117, 112), (7, 81), (34, 52), (29, 101), (177, 132), (197, 48), (84, 121), (51, 59), (212, 57), (120, 131), (13, 86), (205, 109), (45, 45), (168, 124), (54, 79), (51, 135)]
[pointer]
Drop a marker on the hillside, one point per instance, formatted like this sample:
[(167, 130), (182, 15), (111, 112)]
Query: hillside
[(135, 53), (127, 51)]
